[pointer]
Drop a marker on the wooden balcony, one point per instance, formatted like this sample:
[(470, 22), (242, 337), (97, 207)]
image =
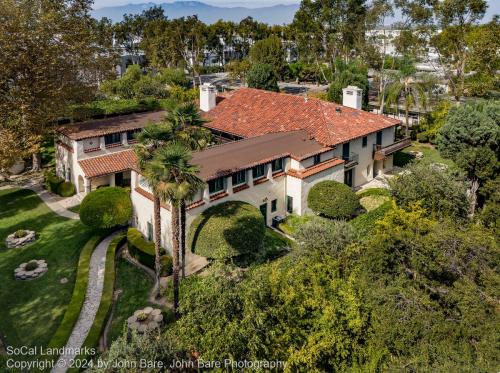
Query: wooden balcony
[(351, 160), (380, 153)]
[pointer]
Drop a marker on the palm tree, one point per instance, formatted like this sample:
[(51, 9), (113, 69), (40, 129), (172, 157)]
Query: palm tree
[(150, 139), (186, 123), (175, 179), (406, 85)]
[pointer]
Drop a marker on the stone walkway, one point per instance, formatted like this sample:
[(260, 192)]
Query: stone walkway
[(54, 202), (90, 305)]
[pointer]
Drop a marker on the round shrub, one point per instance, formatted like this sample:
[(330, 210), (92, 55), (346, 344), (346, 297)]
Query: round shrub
[(106, 208), (227, 230), (31, 265), (66, 189), (20, 233), (333, 200)]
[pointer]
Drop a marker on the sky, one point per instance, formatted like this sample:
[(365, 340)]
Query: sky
[(247, 4), (493, 8)]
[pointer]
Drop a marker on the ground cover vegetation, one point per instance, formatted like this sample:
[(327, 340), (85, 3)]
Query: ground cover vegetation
[(32, 311)]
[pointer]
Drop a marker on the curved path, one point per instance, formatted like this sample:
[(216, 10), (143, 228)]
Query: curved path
[(90, 305)]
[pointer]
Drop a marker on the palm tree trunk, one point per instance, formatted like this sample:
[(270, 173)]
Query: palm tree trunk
[(183, 237), (175, 255), (157, 238)]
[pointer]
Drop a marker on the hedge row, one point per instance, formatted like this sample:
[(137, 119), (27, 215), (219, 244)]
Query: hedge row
[(144, 251), (366, 223), (72, 313), (104, 309)]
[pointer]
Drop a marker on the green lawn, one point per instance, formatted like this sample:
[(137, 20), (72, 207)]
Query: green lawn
[(275, 245), (31, 311), (372, 198), (293, 222), (75, 209), (136, 286), (431, 155)]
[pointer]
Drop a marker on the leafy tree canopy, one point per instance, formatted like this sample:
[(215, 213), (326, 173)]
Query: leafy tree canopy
[(263, 76)]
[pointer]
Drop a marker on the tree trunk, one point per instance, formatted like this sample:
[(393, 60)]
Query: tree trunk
[(407, 120), (183, 237), (157, 239), (473, 197), (175, 256), (37, 161)]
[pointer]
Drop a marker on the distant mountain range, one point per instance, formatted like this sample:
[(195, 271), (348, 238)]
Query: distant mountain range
[(272, 15)]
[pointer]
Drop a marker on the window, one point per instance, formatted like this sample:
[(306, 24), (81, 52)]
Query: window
[(317, 159), (240, 177), (379, 138), (289, 204), (274, 205), (216, 185), (150, 231), (277, 165), (365, 142), (114, 138), (258, 171), (131, 135), (346, 150)]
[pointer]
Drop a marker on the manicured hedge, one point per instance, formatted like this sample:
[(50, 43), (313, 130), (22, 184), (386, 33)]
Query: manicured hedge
[(144, 251), (66, 189), (106, 207), (227, 230), (104, 309), (72, 313), (333, 200)]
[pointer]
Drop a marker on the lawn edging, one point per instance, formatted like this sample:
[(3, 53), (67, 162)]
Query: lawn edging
[(104, 309), (72, 313)]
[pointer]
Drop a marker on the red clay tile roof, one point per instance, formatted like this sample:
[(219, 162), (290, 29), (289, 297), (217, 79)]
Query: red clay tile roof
[(302, 174), (238, 155), (101, 127), (220, 160), (249, 112), (109, 164)]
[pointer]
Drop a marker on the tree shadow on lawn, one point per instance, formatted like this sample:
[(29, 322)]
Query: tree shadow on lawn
[(16, 201), (32, 310)]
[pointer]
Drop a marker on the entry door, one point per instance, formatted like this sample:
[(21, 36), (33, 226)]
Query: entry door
[(345, 151), (119, 179), (348, 177), (263, 210)]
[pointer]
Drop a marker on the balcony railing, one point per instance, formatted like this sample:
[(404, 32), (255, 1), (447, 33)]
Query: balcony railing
[(380, 153), (351, 160)]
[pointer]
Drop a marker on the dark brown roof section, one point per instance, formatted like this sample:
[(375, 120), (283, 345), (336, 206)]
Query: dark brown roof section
[(228, 158), (101, 127)]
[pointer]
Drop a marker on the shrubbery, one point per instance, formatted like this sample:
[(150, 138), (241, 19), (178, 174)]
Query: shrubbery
[(106, 207), (333, 200), (52, 181), (227, 230), (66, 189), (144, 251)]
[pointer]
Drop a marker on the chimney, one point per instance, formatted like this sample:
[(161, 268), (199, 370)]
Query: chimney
[(352, 97), (208, 94)]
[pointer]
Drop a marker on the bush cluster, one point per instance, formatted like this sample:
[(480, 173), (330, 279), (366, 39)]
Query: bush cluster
[(106, 207), (227, 230), (144, 251), (66, 189), (20, 233), (52, 181), (333, 200)]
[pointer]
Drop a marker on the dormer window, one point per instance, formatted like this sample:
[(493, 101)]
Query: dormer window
[(258, 171), (240, 177), (113, 139), (317, 159), (216, 185), (277, 165)]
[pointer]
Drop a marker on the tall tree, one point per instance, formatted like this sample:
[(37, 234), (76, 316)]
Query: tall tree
[(186, 124), (52, 54), (175, 179), (151, 139), (269, 51), (406, 85)]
